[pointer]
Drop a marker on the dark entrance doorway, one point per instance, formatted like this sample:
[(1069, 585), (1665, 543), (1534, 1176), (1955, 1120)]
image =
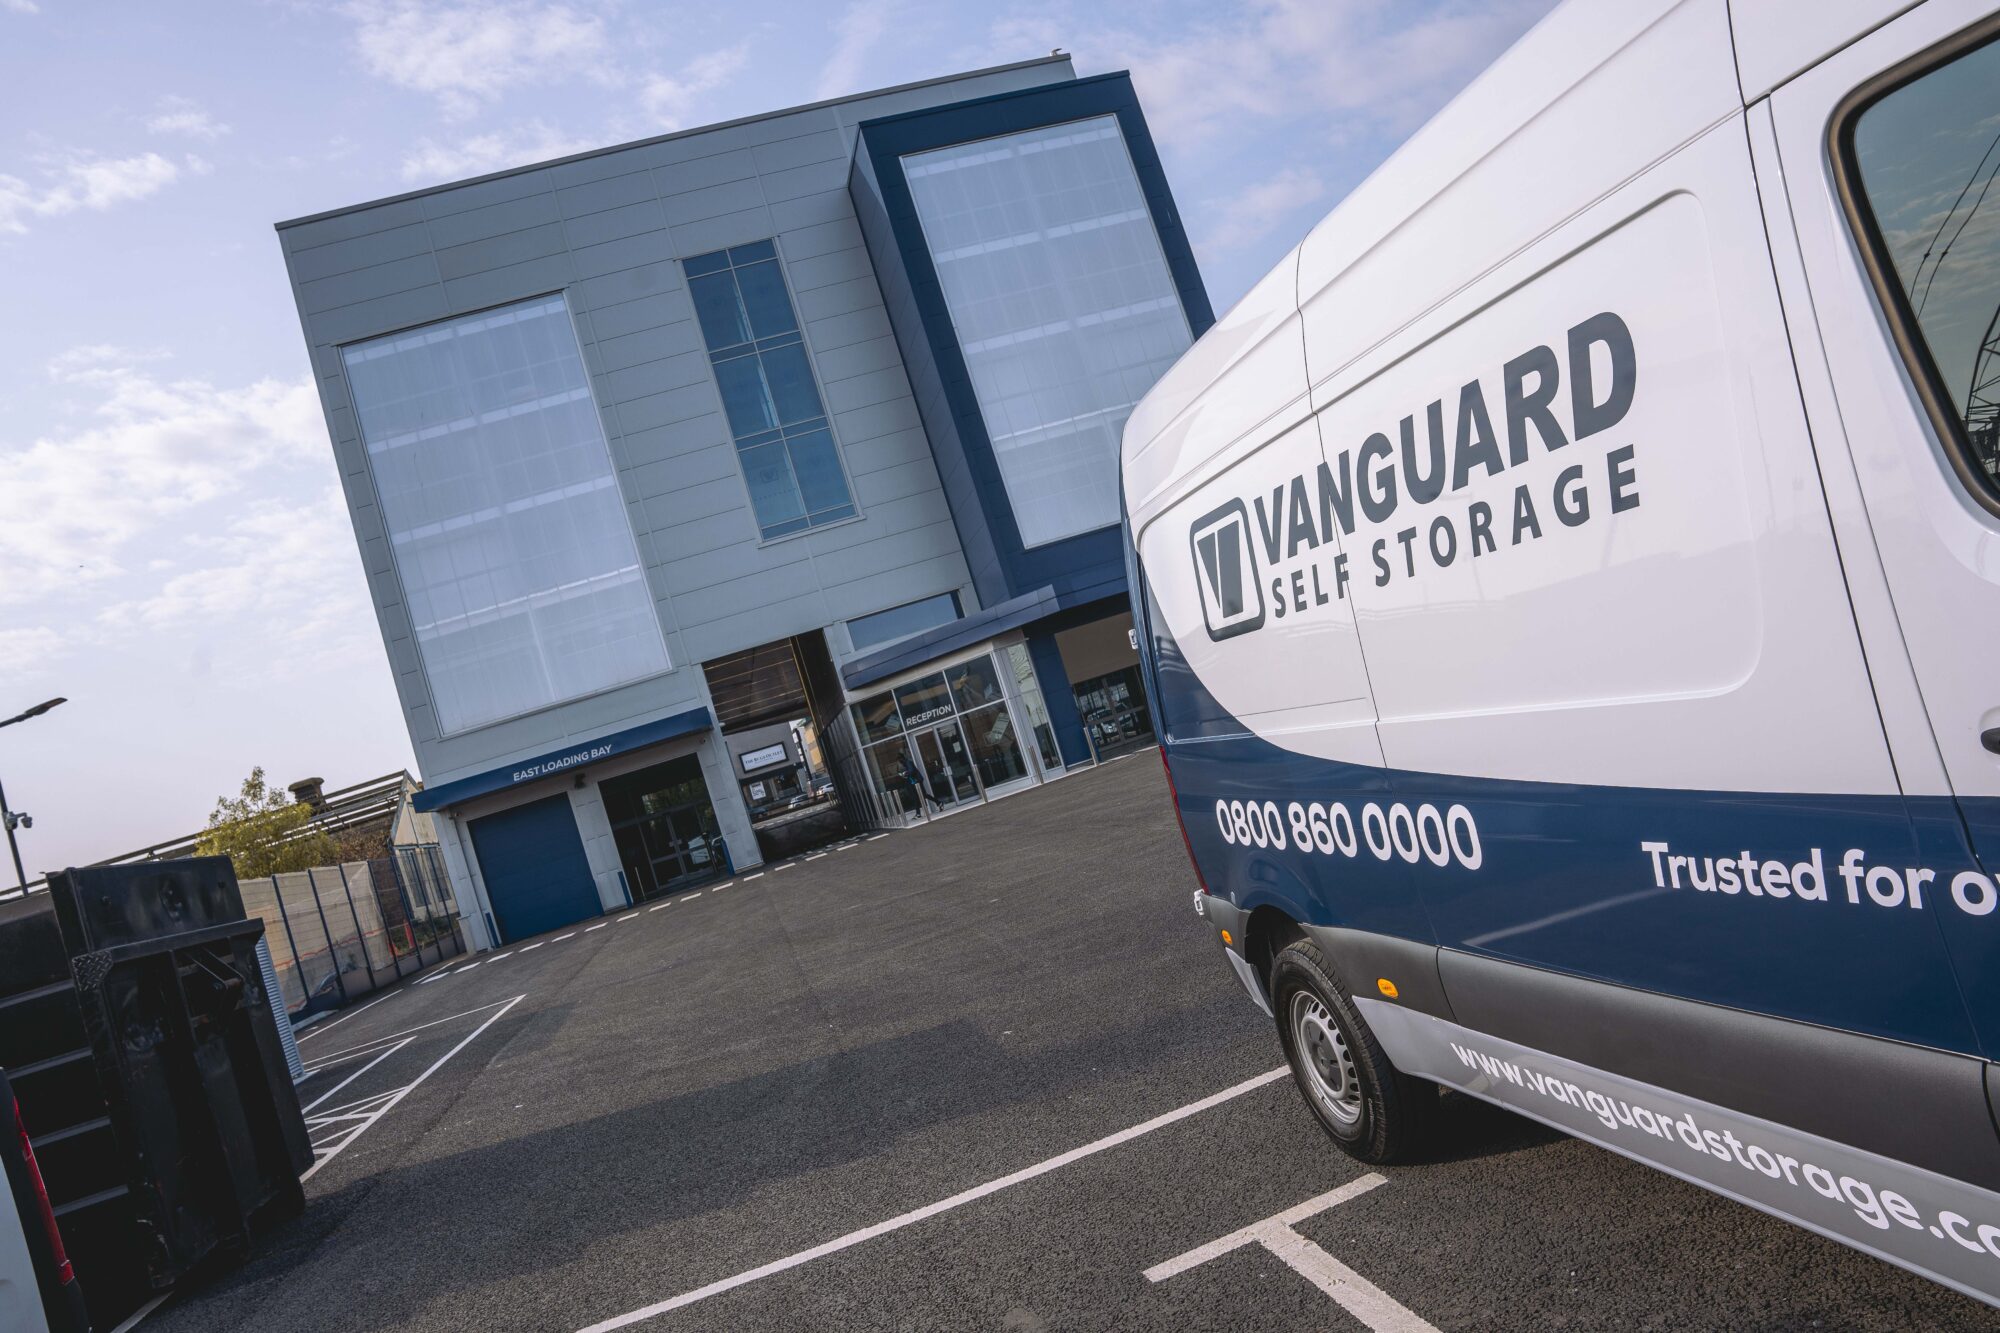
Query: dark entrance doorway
[(665, 827), (531, 858), (1114, 712)]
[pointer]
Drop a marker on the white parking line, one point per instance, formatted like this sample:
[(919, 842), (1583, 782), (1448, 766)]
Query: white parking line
[(958, 1200), (720, 887), (786, 866), (560, 938), (1350, 1291), (320, 1029), (816, 856), (390, 1103), (498, 956), (845, 847), (599, 926), (356, 1074), (689, 897), (657, 906), (536, 945), (623, 919), (327, 1058), (758, 875), (877, 837)]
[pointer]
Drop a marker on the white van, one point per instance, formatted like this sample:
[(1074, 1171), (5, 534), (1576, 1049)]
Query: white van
[(1573, 614)]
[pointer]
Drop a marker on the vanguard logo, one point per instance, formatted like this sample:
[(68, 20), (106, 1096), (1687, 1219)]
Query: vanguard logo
[(1225, 568)]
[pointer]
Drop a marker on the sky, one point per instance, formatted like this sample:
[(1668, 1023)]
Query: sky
[(175, 558)]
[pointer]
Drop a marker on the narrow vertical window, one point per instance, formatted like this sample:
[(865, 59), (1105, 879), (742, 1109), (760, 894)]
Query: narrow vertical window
[(769, 393)]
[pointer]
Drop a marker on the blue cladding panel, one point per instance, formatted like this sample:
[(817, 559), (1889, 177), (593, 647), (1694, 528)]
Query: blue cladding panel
[(537, 878), (1093, 561)]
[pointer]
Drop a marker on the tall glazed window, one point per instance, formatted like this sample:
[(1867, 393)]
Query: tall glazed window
[(769, 391), (510, 536), (1063, 304)]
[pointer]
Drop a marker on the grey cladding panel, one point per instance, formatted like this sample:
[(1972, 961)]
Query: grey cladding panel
[(613, 224), (730, 229), (816, 178), (860, 392), (480, 224), (836, 331), (713, 202), (400, 275), (599, 195), (647, 345), (812, 210), (482, 194), (377, 247), (346, 226), (647, 247), (384, 315), (514, 247), (897, 586), (840, 298), (705, 173), (821, 239), (673, 410), (803, 150), (628, 285), (648, 312), (840, 363), (816, 271), (514, 283)]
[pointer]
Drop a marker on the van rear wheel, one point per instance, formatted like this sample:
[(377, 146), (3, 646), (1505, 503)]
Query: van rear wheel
[(1370, 1109)]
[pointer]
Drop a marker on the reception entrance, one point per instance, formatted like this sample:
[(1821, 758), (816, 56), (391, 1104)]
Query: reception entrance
[(665, 828), (942, 741)]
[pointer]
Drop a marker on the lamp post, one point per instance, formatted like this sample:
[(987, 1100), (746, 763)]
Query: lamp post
[(8, 817)]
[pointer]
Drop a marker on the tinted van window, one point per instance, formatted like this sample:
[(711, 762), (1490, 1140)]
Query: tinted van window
[(1926, 156)]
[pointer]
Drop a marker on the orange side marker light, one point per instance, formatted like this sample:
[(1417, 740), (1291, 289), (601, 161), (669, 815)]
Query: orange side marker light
[(1386, 986)]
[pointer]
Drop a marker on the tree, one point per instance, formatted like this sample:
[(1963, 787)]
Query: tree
[(263, 832)]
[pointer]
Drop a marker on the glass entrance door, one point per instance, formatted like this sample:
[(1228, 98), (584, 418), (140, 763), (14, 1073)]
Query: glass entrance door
[(664, 826), (946, 764)]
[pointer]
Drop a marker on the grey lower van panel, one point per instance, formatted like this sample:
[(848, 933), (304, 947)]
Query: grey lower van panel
[(1924, 1107)]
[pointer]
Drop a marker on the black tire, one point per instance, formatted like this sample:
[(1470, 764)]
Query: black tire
[(1373, 1111)]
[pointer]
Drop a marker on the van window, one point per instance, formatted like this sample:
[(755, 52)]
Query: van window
[(1925, 157)]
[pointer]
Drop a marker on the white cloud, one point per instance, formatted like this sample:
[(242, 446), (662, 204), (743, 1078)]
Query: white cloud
[(469, 53), (673, 101), (97, 361), (1359, 64), (1250, 215), (76, 505), (82, 182), (431, 161), (862, 26), (182, 115), (23, 649)]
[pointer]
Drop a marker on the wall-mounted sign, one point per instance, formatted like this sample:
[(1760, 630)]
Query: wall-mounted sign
[(756, 791), (764, 758)]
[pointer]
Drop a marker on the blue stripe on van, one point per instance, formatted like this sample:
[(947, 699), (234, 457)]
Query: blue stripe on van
[(1563, 882)]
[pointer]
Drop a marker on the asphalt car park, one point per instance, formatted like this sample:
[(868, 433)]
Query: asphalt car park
[(983, 1073)]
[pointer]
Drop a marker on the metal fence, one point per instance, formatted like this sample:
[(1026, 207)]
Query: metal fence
[(340, 932)]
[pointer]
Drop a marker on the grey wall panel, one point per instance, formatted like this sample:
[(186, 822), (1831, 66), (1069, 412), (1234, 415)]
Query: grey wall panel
[(890, 449), (856, 326), (399, 275), (482, 224), (693, 502), (648, 247), (628, 285), (690, 404), (821, 239), (484, 194), (613, 224), (732, 597), (708, 533), (647, 312), (859, 392), (621, 351), (355, 222), (694, 238), (641, 383), (366, 318), (377, 247), (577, 201), (824, 270), (906, 583), (502, 250), (798, 182), (762, 624), (848, 360), (636, 448), (864, 559), (914, 477), (840, 298), (705, 172), (711, 202), (812, 210), (828, 145), (495, 286)]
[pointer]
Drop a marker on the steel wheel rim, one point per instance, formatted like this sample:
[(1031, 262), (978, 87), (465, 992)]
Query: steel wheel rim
[(1328, 1067)]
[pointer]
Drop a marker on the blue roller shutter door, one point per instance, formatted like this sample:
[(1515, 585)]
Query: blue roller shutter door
[(536, 875)]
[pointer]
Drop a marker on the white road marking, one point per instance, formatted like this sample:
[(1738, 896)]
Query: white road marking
[(928, 1211), (468, 967), (720, 887), (786, 866), (689, 897), (538, 944), (318, 1029), (816, 856), (623, 919), (758, 875), (877, 837), (142, 1312), (356, 1074), (845, 847), (396, 1098), (331, 1056), (657, 906), (599, 926), (560, 938), (498, 956), (1350, 1291)]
